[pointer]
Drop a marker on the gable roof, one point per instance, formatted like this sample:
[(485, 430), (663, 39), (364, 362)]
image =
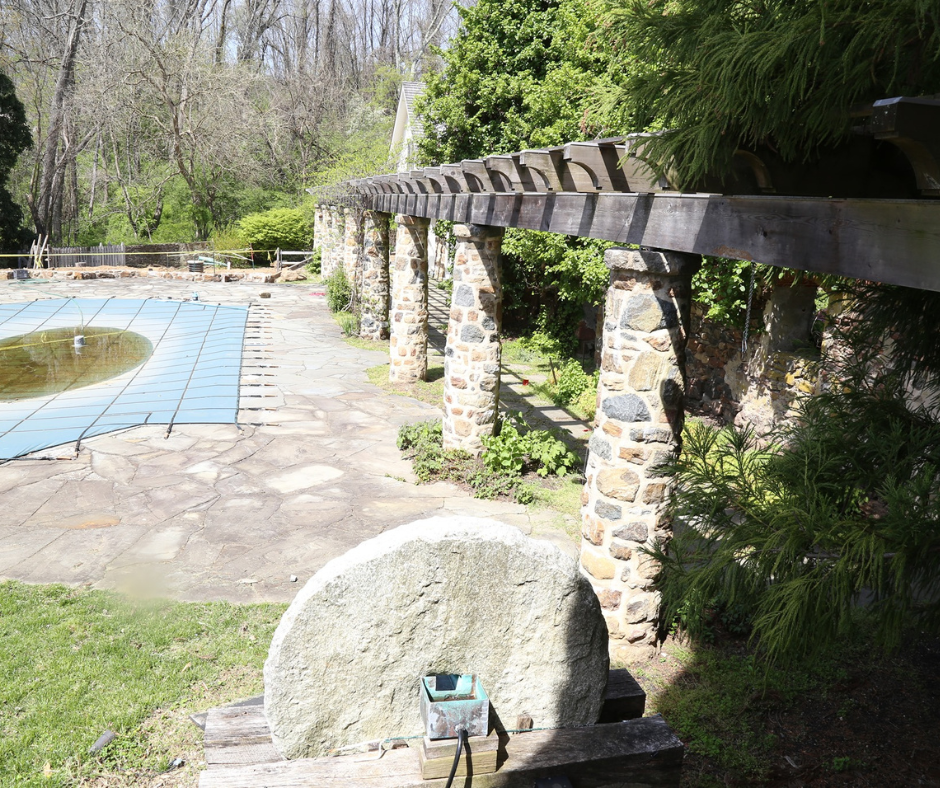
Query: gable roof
[(407, 129)]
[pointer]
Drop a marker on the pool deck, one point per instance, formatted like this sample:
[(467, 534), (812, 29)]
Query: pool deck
[(233, 511)]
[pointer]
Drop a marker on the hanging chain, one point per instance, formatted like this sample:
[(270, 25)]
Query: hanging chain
[(747, 318)]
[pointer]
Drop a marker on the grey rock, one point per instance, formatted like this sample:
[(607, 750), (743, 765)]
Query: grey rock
[(600, 447), (650, 262), (471, 333), (463, 296), (647, 313), (446, 594), (607, 511), (626, 407), (633, 532)]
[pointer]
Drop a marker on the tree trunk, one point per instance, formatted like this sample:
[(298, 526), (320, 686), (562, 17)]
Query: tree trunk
[(52, 170)]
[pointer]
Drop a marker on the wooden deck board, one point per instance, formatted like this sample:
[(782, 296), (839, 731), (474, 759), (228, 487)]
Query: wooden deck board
[(634, 753)]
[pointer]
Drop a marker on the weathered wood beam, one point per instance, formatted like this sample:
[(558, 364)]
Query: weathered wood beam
[(546, 166), (476, 168), (602, 161), (891, 241), (455, 175), (509, 168), (913, 124), (425, 184), (641, 753)]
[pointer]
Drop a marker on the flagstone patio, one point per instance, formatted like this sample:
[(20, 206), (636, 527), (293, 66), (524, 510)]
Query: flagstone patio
[(231, 511)]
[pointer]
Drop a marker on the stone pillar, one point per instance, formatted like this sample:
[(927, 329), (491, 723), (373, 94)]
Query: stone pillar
[(637, 428), (326, 247), (408, 345), (373, 323), (337, 237), (352, 248), (318, 227), (471, 360)]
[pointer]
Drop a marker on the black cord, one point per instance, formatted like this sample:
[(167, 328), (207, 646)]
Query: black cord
[(461, 735)]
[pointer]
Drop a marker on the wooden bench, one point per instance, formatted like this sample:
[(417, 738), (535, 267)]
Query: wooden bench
[(623, 748)]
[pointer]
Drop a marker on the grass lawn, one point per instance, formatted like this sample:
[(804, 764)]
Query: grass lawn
[(430, 390), (76, 662)]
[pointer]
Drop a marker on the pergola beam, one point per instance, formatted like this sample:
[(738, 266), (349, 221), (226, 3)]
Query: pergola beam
[(891, 241)]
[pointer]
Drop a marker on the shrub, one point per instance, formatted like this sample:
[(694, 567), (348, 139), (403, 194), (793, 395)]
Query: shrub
[(314, 266), (338, 291), (280, 228), (348, 323), (572, 382), (516, 445)]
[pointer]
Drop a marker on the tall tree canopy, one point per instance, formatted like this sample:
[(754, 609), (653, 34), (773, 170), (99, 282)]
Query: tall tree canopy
[(166, 120), (14, 139), (732, 73), (523, 74), (518, 74)]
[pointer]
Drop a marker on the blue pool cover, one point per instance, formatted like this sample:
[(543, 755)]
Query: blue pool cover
[(192, 376)]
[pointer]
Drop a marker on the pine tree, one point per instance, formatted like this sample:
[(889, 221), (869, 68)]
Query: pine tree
[(735, 73), (14, 139)]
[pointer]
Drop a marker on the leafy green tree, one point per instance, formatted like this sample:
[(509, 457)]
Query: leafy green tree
[(521, 74), (279, 228), (518, 74), (733, 73), (14, 139)]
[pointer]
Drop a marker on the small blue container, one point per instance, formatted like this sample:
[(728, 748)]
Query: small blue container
[(450, 701)]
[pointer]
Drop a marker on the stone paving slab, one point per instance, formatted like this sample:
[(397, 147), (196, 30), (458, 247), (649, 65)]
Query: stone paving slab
[(230, 512)]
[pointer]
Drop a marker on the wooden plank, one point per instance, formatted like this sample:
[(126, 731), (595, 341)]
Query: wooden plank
[(479, 756), (637, 753), (238, 735), (891, 241), (624, 699), (447, 748)]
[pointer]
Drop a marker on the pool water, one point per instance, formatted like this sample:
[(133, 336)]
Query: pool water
[(145, 361), (50, 361)]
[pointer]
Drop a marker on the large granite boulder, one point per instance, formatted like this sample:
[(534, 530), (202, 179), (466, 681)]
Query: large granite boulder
[(444, 595)]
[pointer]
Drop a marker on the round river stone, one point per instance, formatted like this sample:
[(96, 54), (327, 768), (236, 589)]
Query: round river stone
[(444, 595)]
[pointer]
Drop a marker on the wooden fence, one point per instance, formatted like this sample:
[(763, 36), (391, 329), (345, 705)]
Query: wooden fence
[(87, 256)]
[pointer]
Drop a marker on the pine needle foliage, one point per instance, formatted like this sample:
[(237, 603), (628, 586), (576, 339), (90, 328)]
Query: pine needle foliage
[(837, 517), (730, 73), (840, 519)]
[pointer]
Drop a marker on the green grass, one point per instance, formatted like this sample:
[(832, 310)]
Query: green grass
[(564, 498), (368, 344), (74, 663), (430, 390)]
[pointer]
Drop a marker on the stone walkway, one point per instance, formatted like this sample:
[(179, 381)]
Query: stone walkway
[(231, 511)]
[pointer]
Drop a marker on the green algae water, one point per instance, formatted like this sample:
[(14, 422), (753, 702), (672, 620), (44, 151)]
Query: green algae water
[(48, 362)]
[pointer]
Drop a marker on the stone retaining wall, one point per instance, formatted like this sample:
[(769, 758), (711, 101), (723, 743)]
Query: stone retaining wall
[(257, 277)]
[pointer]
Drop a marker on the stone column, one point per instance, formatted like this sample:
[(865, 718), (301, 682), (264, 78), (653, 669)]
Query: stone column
[(373, 323), (326, 246), (352, 248), (318, 227), (637, 428), (408, 345), (471, 360), (337, 238)]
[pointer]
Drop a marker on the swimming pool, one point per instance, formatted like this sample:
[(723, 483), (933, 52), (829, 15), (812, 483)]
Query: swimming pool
[(190, 376)]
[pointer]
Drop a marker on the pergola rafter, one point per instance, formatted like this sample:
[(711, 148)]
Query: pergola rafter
[(868, 210)]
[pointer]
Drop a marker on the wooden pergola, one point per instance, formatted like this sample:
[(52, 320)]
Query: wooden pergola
[(869, 209)]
